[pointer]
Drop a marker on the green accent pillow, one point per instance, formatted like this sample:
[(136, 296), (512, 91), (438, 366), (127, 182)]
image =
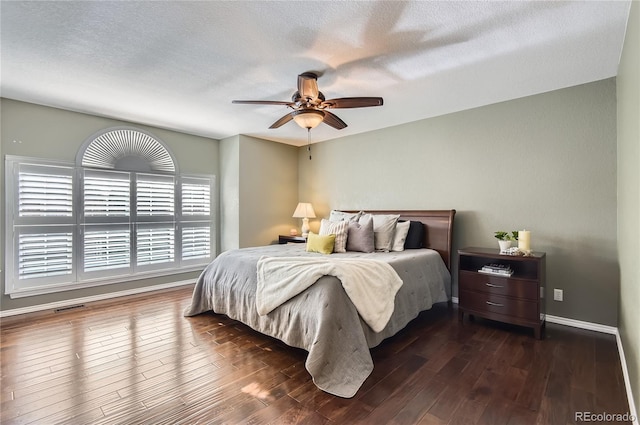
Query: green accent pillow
[(321, 244)]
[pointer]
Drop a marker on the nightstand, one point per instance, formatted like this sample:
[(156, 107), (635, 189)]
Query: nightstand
[(284, 239), (517, 298)]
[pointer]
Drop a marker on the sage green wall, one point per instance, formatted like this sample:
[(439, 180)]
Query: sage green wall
[(259, 191), (546, 163), (628, 85), (268, 190), (44, 132), (229, 193)]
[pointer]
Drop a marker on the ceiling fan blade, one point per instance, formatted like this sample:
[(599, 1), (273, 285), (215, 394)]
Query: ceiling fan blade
[(352, 102), (308, 85), (262, 102), (282, 121), (333, 121)]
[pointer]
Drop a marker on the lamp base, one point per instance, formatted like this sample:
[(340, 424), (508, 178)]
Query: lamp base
[(305, 227)]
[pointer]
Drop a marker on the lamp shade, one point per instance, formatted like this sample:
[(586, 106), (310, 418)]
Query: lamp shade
[(304, 210), (308, 118)]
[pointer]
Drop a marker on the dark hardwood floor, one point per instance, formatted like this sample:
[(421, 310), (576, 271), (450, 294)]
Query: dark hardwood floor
[(138, 360)]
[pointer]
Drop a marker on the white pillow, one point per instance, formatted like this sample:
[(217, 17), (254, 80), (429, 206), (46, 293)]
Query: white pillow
[(384, 226), (400, 235), (336, 215), (338, 228)]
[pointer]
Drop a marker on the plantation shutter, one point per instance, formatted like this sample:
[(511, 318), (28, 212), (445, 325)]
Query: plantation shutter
[(45, 254), (196, 197), (43, 240), (196, 241), (106, 247), (155, 244), (45, 193), (106, 194), (155, 195)]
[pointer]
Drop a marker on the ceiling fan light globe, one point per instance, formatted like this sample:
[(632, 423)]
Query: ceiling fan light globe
[(308, 119)]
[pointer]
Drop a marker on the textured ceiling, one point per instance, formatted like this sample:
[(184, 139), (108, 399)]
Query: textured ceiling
[(178, 65)]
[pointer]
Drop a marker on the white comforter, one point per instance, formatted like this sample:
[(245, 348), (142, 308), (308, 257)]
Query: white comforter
[(370, 284)]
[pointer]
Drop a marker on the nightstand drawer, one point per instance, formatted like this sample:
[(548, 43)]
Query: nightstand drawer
[(489, 303), (498, 285)]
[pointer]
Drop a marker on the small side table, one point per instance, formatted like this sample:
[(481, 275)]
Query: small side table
[(284, 239)]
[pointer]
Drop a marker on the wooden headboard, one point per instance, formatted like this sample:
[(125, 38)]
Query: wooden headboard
[(439, 228)]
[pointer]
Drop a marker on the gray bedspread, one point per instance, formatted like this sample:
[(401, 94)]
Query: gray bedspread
[(322, 319)]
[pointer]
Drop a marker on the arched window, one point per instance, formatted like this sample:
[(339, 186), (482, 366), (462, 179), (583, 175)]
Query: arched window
[(121, 211)]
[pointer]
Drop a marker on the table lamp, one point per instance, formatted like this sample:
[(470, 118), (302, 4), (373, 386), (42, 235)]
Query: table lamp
[(304, 210)]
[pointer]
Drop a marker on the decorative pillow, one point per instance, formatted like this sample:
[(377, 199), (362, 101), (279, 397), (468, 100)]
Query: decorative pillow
[(384, 225), (360, 236), (338, 228), (321, 244), (400, 235), (415, 237), (336, 215)]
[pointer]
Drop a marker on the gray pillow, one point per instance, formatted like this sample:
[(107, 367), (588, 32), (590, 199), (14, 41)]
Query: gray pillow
[(336, 215), (384, 226), (360, 236)]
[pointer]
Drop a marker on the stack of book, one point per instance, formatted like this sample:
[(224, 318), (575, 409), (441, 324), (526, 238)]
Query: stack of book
[(497, 269)]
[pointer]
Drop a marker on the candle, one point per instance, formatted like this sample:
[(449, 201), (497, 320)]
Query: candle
[(524, 240)]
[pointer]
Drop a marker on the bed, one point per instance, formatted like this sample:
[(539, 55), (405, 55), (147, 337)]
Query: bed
[(322, 319)]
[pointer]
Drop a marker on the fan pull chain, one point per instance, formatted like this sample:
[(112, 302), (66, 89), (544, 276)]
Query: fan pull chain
[(309, 142)]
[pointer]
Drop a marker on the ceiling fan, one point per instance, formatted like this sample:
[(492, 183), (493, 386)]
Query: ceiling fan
[(310, 106)]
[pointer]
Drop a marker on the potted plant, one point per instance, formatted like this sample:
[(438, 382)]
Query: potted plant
[(505, 239)]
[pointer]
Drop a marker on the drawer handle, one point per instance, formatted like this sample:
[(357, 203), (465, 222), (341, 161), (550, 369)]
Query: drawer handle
[(491, 285), (495, 304)]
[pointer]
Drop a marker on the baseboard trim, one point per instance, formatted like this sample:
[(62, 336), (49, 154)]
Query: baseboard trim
[(93, 298), (627, 381), (612, 330)]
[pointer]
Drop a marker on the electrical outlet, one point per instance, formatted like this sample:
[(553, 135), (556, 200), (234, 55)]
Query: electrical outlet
[(557, 295)]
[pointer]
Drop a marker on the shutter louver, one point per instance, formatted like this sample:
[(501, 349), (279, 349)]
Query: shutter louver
[(196, 199), (43, 194), (155, 245), (155, 195), (106, 249), (45, 255), (106, 194), (196, 242)]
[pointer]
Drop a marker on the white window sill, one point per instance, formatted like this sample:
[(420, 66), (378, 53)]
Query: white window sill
[(42, 290)]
